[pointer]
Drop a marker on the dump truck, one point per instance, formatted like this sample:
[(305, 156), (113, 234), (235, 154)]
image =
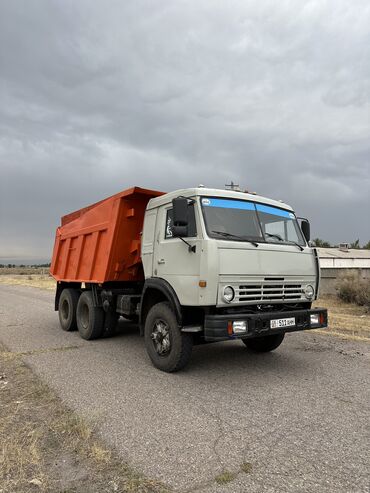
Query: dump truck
[(188, 267)]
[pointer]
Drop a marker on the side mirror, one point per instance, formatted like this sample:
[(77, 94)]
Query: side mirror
[(180, 217), (179, 231), (305, 226)]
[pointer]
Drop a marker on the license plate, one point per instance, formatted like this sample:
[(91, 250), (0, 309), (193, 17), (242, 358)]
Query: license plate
[(282, 322)]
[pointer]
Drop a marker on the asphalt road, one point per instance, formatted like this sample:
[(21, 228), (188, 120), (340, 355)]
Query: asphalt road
[(299, 416)]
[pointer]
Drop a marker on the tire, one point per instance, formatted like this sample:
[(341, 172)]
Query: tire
[(264, 344), (168, 349), (90, 318), (110, 323), (67, 307)]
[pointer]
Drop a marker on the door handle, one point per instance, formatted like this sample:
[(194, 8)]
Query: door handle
[(161, 261)]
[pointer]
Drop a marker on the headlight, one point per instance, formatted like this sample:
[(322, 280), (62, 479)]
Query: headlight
[(240, 327), (315, 319), (309, 292), (228, 294)]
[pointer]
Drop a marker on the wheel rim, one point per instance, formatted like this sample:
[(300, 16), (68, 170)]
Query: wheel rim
[(84, 316), (161, 338), (64, 310)]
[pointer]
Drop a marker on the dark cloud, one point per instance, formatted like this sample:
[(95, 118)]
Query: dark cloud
[(99, 96)]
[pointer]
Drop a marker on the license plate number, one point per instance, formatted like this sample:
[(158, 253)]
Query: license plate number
[(282, 322)]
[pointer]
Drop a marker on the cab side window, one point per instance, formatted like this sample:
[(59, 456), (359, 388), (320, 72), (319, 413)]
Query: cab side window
[(192, 228)]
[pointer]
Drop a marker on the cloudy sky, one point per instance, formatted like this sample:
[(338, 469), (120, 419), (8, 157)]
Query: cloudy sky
[(98, 96)]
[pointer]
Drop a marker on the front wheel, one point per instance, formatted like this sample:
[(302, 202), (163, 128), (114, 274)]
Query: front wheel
[(167, 347), (264, 344)]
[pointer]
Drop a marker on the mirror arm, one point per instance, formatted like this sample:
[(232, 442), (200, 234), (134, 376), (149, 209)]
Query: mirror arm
[(192, 248)]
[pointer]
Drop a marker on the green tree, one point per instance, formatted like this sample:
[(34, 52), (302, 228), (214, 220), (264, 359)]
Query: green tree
[(367, 245), (322, 243), (355, 244)]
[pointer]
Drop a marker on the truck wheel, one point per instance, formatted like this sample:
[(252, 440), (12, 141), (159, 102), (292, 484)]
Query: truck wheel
[(264, 344), (90, 318), (67, 309), (168, 348)]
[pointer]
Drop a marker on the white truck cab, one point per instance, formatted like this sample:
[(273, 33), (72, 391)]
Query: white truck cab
[(248, 243), (238, 265)]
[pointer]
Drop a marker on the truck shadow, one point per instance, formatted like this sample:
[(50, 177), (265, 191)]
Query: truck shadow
[(236, 359), (231, 356)]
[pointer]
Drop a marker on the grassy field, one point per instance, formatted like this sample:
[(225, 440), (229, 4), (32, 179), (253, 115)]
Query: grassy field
[(344, 318), (46, 447), (28, 276)]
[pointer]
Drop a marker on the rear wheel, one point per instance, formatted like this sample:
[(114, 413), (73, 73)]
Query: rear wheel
[(67, 309), (168, 348), (90, 318), (264, 344)]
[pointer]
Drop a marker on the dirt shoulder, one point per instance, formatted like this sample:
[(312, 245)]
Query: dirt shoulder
[(346, 319), (45, 447)]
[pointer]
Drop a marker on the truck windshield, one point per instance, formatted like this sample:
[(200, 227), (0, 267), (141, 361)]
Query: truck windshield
[(240, 220)]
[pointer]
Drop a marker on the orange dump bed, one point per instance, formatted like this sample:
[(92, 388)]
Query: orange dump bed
[(102, 241)]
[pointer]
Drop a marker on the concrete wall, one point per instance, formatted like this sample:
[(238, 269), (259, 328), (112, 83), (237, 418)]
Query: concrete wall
[(345, 263), (329, 277)]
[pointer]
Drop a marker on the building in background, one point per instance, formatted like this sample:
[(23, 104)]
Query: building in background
[(335, 261)]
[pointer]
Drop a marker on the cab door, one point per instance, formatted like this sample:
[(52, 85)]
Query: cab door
[(147, 241), (172, 259)]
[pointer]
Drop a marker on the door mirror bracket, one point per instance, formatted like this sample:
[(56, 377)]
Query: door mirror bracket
[(191, 248)]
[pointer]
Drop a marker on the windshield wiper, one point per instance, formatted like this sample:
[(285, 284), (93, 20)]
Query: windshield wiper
[(285, 241), (230, 235)]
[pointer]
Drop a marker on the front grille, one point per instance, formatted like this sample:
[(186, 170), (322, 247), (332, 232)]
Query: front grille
[(268, 292)]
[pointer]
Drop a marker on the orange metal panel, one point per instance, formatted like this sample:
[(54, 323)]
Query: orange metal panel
[(101, 242)]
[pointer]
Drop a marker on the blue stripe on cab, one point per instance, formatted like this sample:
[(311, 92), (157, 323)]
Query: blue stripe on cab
[(274, 211), (228, 204)]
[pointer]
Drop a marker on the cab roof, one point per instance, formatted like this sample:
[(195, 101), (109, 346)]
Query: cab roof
[(215, 192)]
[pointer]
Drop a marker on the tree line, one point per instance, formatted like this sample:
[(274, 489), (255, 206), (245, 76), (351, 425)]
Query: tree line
[(326, 244), (13, 266)]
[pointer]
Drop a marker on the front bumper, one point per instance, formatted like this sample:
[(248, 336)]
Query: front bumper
[(216, 327)]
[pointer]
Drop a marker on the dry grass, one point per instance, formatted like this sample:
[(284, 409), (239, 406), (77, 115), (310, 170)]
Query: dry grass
[(229, 476), (45, 447), (225, 477), (346, 318), (43, 281), (23, 271), (352, 287), (246, 467), (36, 277)]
